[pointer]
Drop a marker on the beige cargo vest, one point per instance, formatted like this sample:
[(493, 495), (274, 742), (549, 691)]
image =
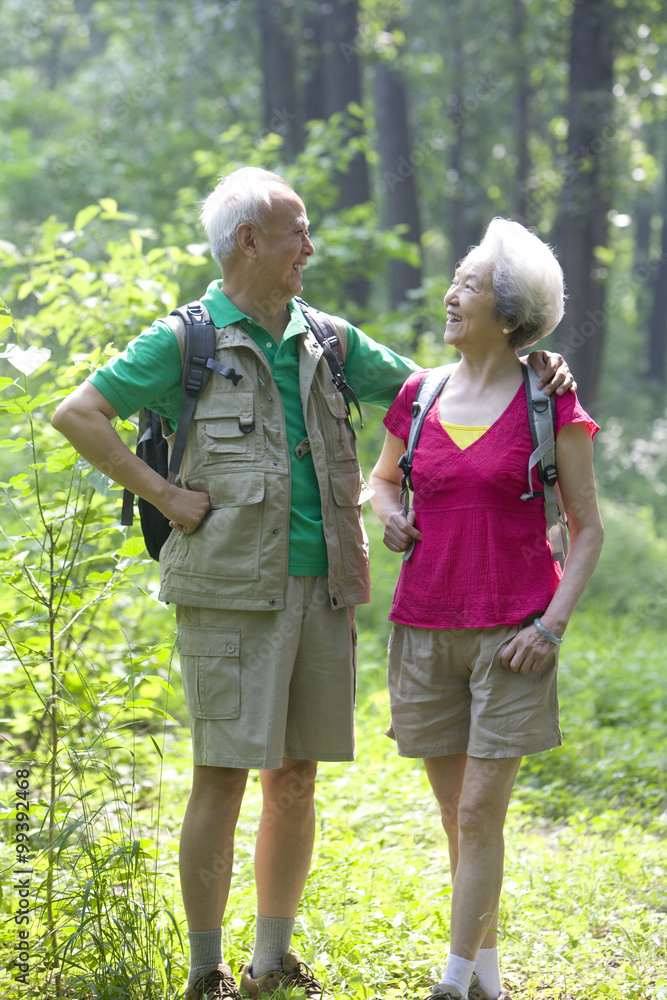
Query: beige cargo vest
[(237, 453)]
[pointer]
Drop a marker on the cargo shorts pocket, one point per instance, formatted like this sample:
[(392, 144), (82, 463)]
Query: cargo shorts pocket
[(211, 671)]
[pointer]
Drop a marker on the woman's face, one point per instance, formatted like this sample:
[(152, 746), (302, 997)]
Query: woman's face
[(471, 306)]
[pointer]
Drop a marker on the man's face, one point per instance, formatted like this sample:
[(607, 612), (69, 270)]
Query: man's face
[(284, 248)]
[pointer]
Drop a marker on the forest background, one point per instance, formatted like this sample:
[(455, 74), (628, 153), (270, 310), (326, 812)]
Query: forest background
[(405, 126)]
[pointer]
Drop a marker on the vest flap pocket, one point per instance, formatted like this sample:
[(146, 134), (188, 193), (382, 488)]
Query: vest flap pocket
[(349, 489), (224, 416), (236, 489), (336, 404), (211, 671)]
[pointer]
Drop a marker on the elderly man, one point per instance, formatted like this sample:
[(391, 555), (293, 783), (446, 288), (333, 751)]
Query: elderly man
[(265, 564)]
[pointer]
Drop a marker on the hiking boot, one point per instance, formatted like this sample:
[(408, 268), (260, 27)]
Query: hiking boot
[(215, 983), (441, 992), (477, 993), (294, 975)]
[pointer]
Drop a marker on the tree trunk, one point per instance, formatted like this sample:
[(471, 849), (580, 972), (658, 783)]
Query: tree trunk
[(342, 86), (582, 223), (398, 173), (312, 54), (458, 227), (280, 109), (657, 332), (522, 91)]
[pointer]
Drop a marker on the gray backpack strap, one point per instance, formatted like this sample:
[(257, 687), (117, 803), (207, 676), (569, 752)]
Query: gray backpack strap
[(542, 418), (429, 389)]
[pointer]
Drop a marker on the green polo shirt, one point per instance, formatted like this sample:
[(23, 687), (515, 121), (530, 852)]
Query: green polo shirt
[(148, 374)]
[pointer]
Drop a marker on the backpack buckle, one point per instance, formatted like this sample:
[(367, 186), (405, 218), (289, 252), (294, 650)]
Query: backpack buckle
[(549, 475)]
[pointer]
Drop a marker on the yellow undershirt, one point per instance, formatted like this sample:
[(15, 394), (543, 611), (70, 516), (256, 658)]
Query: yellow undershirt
[(462, 435)]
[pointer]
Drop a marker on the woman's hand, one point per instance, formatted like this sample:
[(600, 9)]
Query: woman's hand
[(385, 481), (527, 651), (400, 532)]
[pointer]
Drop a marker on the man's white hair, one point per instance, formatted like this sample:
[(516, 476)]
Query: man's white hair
[(243, 196), (527, 280)]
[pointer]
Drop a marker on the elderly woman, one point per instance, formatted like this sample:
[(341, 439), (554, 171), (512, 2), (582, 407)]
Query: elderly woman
[(480, 608)]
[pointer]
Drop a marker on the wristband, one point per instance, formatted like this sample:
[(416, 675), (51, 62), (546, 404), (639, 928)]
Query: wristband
[(546, 633)]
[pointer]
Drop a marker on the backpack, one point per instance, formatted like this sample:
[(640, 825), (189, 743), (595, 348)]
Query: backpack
[(198, 363), (152, 447), (542, 419)]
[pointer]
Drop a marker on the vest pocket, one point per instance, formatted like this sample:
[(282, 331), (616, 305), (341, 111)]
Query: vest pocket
[(228, 543), (341, 436), (226, 427), (349, 491), (211, 671)]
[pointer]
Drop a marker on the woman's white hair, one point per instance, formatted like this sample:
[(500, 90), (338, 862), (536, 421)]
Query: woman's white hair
[(527, 280), (243, 196)]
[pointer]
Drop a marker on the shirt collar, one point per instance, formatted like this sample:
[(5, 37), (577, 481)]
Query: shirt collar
[(223, 312)]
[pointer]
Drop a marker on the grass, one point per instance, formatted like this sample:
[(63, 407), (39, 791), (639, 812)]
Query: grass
[(584, 906)]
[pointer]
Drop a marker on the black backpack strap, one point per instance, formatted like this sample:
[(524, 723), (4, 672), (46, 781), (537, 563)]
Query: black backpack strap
[(429, 389), (327, 337), (198, 363), (127, 509), (199, 350)]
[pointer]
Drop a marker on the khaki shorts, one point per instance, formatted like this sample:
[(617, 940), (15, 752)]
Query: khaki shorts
[(263, 685), (451, 694)]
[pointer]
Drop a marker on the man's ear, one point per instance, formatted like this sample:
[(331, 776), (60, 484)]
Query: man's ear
[(245, 237)]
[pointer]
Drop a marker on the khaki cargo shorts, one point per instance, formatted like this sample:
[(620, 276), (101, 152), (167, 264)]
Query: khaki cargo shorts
[(451, 694), (263, 685)]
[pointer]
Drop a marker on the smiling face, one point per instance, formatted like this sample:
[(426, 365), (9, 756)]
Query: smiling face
[(471, 306), (283, 248)]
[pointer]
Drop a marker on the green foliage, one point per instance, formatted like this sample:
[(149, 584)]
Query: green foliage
[(630, 576), (77, 682)]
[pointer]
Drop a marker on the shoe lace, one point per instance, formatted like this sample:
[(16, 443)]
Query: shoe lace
[(215, 985), (302, 976)]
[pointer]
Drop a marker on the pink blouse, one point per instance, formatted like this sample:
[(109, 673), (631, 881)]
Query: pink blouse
[(484, 558)]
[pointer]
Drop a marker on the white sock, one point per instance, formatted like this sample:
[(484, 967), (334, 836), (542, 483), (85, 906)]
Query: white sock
[(458, 973), (205, 951), (273, 936), (487, 968)]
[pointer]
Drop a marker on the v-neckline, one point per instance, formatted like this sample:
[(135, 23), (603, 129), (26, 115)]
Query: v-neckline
[(488, 429)]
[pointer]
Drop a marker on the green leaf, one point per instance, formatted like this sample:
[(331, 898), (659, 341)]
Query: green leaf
[(86, 214), (5, 321), (165, 685), (132, 546)]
